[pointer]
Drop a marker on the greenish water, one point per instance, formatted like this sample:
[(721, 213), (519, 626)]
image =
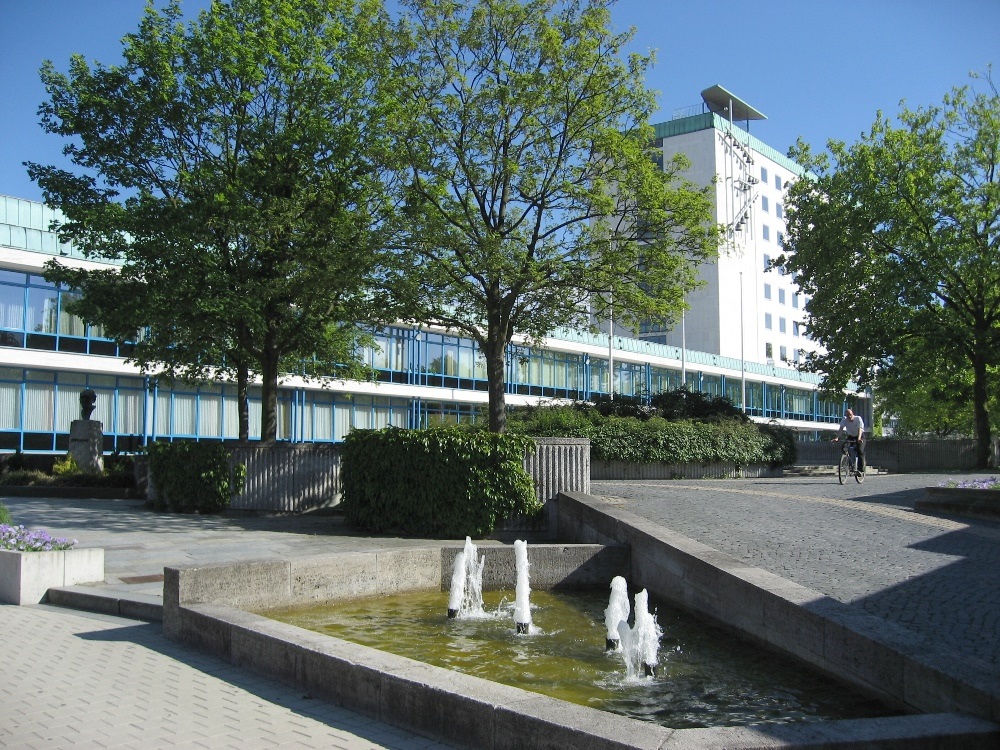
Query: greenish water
[(706, 677)]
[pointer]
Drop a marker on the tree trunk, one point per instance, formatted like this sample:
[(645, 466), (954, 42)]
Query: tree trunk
[(981, 415), (269, 392), (243, 398), (496, 366)]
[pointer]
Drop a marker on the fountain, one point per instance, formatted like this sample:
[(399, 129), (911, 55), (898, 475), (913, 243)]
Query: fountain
[(457, 586), (640, 644), (522, 607), (617, 611), (466, 597)]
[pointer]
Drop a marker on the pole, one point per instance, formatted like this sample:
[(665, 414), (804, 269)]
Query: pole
[(684, 379), (611, 345), (743, 362)]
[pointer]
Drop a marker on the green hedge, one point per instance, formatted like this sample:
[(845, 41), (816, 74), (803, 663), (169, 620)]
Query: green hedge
[(193, 477), (441, 482), (656, 439)]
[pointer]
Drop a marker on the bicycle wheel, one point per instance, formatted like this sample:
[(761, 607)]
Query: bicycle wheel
[(859, 476), (843, 468)]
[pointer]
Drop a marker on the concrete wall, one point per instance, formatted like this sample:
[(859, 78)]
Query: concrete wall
[(899, 666), (263, 584), (205, 607), (898, 455), (660, 470)]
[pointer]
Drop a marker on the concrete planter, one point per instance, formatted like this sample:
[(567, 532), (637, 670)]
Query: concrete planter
[(961, 501), (26, 577)]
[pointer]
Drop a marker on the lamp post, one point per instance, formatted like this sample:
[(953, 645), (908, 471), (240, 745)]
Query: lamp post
[(611, 345), (743, 361), (683, 352)]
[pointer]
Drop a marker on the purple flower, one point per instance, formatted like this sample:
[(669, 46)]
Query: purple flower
[(21, 540), (990, 483)]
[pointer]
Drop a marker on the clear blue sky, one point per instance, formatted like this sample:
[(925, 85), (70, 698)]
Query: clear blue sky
[(819, 69)]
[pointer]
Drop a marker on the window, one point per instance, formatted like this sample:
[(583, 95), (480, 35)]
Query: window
[(769, 351), (768, 321), (795, 328), (781, 239), (777, 182), (797, 355), (767, 291), (767, 232), (767, 262), (781, 325), (763, 203), (795, 300), (783, 353), (763, 175), (779, 211), (781, 296)]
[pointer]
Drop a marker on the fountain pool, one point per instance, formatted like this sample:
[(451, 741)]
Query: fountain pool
[(705, 677)]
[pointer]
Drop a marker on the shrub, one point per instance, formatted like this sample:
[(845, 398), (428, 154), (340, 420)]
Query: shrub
[(657, 440), (193, 477), (624, 406), (67, 466), (646, 439), (781, 448), (35, 478), (24, 478), (5, 519), (15, 461), (681, 404), (440, 482), (553, 421)]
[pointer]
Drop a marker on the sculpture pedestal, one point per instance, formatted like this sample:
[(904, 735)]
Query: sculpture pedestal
[(86, 444)]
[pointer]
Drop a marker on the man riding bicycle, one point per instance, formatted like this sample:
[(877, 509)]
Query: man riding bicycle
[(854, 428)]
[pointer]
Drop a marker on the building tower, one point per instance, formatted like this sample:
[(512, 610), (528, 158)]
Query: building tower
[(745, 309)]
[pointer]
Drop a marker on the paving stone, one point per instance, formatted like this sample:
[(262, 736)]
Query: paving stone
[(863, 545), (89, 681), (100, 697)]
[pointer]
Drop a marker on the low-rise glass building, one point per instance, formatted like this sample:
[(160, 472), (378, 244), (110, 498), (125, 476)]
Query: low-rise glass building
[(423, 376)]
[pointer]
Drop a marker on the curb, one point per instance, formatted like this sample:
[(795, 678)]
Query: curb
[(107, 601)]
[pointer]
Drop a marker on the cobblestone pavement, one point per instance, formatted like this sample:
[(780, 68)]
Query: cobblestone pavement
[(863, 545), (82, 680), (74, 679)]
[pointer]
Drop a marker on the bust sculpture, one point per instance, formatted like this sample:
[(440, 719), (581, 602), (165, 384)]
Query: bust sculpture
[(87, 401)]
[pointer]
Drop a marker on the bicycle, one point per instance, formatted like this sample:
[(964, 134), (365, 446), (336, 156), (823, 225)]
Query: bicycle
[(848, 466)]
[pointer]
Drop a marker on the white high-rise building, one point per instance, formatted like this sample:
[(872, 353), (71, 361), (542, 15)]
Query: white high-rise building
[(745, 310)]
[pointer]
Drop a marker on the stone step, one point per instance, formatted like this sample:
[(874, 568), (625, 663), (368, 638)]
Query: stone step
[(823, 471), (107, 600)]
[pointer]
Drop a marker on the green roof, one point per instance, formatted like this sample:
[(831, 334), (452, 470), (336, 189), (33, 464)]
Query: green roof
[(706, 120)]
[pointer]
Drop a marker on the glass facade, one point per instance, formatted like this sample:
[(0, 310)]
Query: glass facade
[(37, 405)]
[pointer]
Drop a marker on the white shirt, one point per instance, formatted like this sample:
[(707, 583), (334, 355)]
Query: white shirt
[(853, 427)]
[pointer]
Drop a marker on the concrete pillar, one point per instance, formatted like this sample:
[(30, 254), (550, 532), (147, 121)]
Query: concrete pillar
[(86, 444)]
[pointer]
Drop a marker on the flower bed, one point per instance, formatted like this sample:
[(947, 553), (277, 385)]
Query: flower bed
[(32, 562)]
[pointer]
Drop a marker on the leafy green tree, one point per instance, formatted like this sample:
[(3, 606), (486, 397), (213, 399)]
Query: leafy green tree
[(233, 165), (533, 195), (897, 241), (930, 393)]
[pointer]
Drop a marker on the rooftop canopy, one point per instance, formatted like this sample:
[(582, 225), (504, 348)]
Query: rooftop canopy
[(719, 100)]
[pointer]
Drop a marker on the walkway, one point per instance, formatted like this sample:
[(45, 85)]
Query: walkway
[(82, 680), (863, 545), (75, 679)]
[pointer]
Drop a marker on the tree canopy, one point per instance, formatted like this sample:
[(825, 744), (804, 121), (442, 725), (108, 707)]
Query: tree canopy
[(233, 167), (896, 240), (533, 192)]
